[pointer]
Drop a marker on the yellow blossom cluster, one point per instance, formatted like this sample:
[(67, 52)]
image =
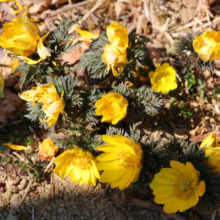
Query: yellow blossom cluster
[(121, 162), (163, 79), (22, 37), (46, 94), (79, 164), (115, 55), (120, 159), (207, 45), (211, 148), (112, 106)]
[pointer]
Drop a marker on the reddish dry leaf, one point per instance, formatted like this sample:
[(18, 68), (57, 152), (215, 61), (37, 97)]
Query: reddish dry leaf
[(199, 138), (5, 13), (59, 135), (9, 105), (75, 54)]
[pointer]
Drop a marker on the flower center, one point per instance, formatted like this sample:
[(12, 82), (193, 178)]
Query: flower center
[(82, 162), (125, 159), (183, 186), (162, 78)]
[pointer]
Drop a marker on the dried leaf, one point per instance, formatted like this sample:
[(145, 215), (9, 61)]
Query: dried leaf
[(74, 55), (9, 106)]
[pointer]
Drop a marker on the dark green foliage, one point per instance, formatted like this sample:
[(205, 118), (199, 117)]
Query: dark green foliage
[(174, 144), (156, 157), (61, 35), (142, 101), (184, 46), (134, 132), (87, 112), (58, 42), (210, 201), (86, 140), (36, 113), (92, 61), (137, 56)]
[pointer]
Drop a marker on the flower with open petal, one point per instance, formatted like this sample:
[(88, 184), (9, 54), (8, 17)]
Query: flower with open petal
[(121, 162), (178, 187), (79, 164)]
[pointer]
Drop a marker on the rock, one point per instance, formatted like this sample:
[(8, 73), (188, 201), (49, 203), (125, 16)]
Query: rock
[(49, 208), (11, 217), (15, 200), (181, 133), (12, 181), (23, 184), (61, 210)]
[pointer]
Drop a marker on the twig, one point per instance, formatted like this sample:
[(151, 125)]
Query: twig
[(32, 213), (5, 65), (26, 191), (183, 3), (48, 166), (213, 216), (151, 206), (22, 159), (191, 24), (165, 25), (94, 8), (43, 210), (16, 122), (103, 192), (207, 24), (72, 6)]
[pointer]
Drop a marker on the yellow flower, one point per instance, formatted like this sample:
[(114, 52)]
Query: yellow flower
[(86, 35), (121, 162), (22, 37), (53, 104), (178, 187), (79, 164), (163, 79), (207, 45), (47, 150), (115, 58), (37, 92), (213, 155), (211, 148), (14, 65), (115, 55), (112, 106), (41, 49), (117, 34), (209, 141), (16, 147), (2, 85)]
